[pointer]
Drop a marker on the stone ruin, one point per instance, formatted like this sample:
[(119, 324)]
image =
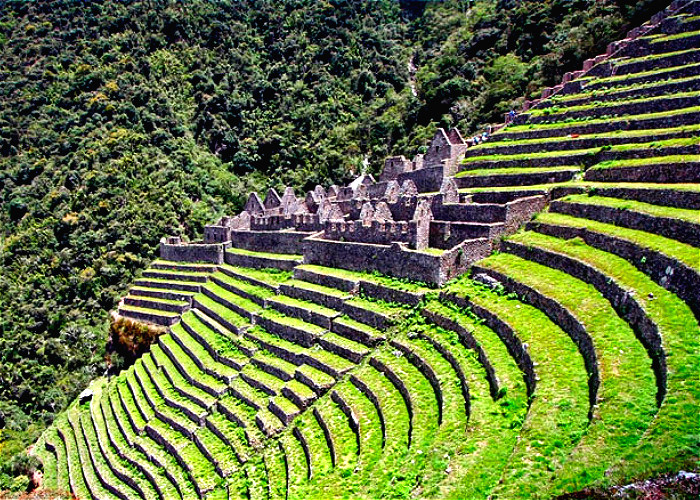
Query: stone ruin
[(411, 223)]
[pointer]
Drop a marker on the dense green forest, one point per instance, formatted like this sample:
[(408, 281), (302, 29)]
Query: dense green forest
[(123, 121)]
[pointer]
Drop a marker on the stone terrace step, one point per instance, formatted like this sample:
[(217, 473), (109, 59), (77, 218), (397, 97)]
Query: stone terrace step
[(649, 120), (676, 223), (500, 144), (662, 169), (163, 284), (267, 278), (176, 275), (159, 293), (551, 252), (653, 89), (244, 258), (656, 61), (244, 289), (561, 392), (213, 294), (121, 444), (560, 296), (679, 196), (167, 305), (192, 267), (672, 264), (154, 316), (673, 321), (654, 75), (322, 295), (628, 108), (310, 312), (498, 177)]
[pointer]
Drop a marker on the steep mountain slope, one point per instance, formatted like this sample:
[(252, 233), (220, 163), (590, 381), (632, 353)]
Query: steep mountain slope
[(124, 121), (568, 360)]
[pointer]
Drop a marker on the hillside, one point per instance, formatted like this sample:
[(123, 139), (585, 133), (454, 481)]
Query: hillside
[(513, 318), (125, 121)]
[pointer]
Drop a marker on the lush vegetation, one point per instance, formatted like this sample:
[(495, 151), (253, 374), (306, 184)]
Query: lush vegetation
[(121, 122)]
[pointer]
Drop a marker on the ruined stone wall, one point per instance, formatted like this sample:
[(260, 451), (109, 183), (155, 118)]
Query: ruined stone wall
[(427, 180), (269, 241), (388, 259), (216, 234), (378, 232), (445, 235), (173, 249)]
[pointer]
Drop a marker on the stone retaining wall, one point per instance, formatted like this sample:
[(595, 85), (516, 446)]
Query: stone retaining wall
[(193, 252)]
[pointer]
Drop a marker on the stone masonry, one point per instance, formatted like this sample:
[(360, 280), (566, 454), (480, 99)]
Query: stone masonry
[(412, 223)]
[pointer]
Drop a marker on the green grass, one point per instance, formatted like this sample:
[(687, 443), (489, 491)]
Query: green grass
[(622, 78), (266, 255), (674, 249), (280, 364), (557, 416), (529, 156), (692, 216), (111, 439), (145, 448), (84, 452), (627, 386), (212, 366), (159, 300), (200, 469), (341, 435), (313, 287), (658, 145), (262, 337), (62, 472), (372, 333), (330, 360), (293, 322), (501, 139), (154, 312), (611, 91), (319, 378), (187, 365), (244, 286), (350, 345), (643, 162), (269, 381), (243, 303), (319, 453), (488, 172), (233, 433), (304, 305), (170, 396), (650, 57), (75, 475), (673, 441), (296, 466), (562, 124), (205, 265), (391, 310), (554, 111), (177, 272), (454, 415), (271, 276), (375, 462), (379, 279), (224, 343), (274, 464), (222, 453), (533, 187)]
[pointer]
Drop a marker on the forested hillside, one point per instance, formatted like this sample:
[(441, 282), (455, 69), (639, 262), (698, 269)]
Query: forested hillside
[(121, 122)]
